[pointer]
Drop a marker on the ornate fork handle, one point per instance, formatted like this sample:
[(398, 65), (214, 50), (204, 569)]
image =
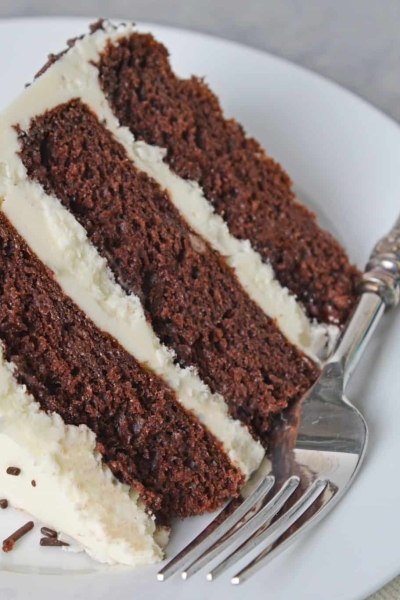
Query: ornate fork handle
[(382, 273), (379, 289)]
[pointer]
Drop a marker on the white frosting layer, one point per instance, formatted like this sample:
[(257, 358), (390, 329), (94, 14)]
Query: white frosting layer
[(61, 243), (74, 77), (74, 493), (256, 276)]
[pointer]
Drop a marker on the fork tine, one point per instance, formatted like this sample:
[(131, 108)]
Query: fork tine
[(265, 514), (273, 550), (273, 531), (218, 528)]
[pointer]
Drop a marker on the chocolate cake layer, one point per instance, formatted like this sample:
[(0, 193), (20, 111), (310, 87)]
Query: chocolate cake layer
[(72, 368), (193, 300), (249, 191)]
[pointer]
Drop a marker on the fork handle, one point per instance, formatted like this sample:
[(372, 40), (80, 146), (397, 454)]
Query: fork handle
[(382, 273), (379, 289)]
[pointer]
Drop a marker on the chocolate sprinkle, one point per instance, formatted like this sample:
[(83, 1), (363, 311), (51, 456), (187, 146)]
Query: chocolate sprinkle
[(3, 503), (51, 541), (50, 533), (13, 470), (8, 544), (33, 483)]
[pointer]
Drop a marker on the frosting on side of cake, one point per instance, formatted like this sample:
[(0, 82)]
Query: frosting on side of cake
[(74, 492), (75, 76)]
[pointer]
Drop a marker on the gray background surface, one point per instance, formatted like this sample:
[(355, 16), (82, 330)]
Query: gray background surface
[(354, 42)]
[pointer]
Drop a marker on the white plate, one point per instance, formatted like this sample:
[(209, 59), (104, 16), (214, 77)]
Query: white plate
[(344, 157)]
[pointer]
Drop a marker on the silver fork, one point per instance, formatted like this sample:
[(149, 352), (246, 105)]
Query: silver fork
[(316, 455)]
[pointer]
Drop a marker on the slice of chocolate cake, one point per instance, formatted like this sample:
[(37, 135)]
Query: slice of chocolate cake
[(163, 297)]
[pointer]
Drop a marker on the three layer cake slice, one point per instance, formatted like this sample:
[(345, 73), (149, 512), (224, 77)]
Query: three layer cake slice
[(163, 296)]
